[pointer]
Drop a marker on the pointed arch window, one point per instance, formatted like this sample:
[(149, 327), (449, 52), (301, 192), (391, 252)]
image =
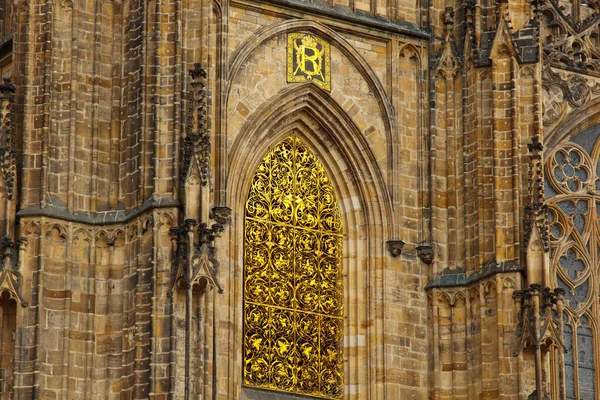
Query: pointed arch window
[(293, 297), (573, 196)]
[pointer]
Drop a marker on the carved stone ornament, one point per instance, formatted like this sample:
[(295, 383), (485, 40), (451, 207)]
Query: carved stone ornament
[(425, 253), (221, 215), (197, 142), (67, 5), (571, 39), (562, 89), (11, 279), (395, 247), (8, 157), (540, 320), (536, 211), (194, 261), (447, 64)]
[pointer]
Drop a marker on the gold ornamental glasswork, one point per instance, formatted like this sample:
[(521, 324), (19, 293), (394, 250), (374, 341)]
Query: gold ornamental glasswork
[(293, 298)]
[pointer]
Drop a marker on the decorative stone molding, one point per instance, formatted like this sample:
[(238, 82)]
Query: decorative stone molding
[(425, 253), (571, 39), (11, 279), (197, 143), (394, 247), (194, 261), (101, 218), (536, 212), (562, 89), (457, 277)]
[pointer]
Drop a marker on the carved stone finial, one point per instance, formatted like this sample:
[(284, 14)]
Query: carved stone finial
[(221, 215), (447, 63), (197, 142), (470, 9), (449, 17), (425, 253), (395, 247), (189, 224), (198, 72)]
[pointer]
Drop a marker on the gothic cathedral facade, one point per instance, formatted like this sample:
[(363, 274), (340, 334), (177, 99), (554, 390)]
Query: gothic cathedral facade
[(300, 199)]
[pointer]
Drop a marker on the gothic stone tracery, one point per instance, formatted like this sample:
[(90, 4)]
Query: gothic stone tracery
[(572, 191)]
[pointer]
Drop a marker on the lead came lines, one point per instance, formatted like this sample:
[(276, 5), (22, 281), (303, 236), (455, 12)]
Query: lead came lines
[(293, 298)]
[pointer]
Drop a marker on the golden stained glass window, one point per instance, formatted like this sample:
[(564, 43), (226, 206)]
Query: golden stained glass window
[(293, 308)]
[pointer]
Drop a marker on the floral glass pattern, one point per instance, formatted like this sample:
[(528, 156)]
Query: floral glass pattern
[(573, 198), (293, 298)]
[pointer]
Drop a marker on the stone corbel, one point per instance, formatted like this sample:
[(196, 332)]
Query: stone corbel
[(425, 253), (221, 215), (394, 247)]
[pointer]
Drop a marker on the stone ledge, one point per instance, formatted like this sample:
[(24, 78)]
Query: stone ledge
[(345, 14), (457, 277), (99, 217)]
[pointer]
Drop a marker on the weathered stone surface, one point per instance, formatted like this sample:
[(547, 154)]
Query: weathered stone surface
[(423, 135)]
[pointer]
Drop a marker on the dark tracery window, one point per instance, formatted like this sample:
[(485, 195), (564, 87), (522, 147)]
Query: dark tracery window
[(293, 298), (573, 197)]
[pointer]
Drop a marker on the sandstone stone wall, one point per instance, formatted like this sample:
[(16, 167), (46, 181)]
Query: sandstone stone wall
[(119, 141)]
